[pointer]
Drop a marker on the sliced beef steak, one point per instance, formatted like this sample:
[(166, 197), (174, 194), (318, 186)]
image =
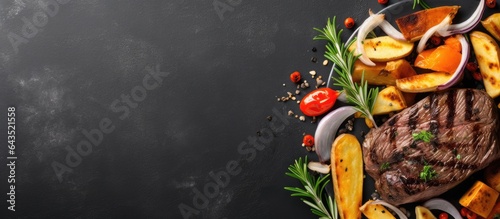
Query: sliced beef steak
[(464, 139)]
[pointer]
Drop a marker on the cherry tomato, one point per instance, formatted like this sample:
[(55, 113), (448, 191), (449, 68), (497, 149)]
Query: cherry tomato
[(295, 77), (318, 101), (383, 2), (464, 212), (308, 140), (443, 216), (349, 22), (471, 66), (491, 3)]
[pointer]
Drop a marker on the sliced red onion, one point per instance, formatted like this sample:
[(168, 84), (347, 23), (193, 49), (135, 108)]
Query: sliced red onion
[(327, 129), (457, 75), (429, 33), (319, 167), (391, 31), (368, 25), (400, 214), (443, 205), (470, 23)]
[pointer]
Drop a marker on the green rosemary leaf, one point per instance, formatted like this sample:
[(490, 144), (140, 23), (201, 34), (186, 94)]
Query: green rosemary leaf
[(359, 95), (314, 190)]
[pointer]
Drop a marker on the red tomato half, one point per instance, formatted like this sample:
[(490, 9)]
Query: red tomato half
[(318, 101)]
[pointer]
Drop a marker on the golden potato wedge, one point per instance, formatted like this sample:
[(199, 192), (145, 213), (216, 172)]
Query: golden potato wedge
[(480, 199), (423, 213), (413, 26), (375, 211), (383, 73), (423, 82), (388, 100), (492, 25), (385, 48), (492, 175), (347, 174), (488, 58)]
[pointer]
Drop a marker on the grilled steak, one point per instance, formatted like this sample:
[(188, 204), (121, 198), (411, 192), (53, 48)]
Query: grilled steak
[(462, 137)]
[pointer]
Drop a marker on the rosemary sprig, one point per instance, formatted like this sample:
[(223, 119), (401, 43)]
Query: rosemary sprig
[(313, 190), (421, 3), (336, 51)]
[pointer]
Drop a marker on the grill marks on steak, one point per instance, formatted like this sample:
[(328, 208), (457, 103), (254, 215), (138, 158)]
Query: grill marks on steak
[(463, 122)]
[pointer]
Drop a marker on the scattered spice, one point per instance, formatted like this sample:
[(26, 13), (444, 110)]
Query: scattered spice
[(302, 118), (477, 76), (308, 141), (269, 118), (491, 3), (312, 73), (472, 66), (295, 77), (349, 22), (436, 41), (325, 62), (314, 49), (314, 59)]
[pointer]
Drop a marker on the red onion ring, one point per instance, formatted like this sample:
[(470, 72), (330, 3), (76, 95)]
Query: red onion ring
[(457, 75), (429, 33), (368, 25), (327, 129), (470, 23), (443, 205), (392, 207), (391, 31)]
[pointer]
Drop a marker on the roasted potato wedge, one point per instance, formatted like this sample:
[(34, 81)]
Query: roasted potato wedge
[(423, 82), (383, 73), (488, 58), (375, 211), (492, 25), (385, 48), (480, 199), (423, 213), (388, 100), (413, 26), (347, 174)]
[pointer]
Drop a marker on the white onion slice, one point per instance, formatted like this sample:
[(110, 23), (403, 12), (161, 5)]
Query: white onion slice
[(391, 31), (470, 23), (368, 25), (429, 33), (319, 167), (327, 129), (392, 207), (443, 205), (457, 75)]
